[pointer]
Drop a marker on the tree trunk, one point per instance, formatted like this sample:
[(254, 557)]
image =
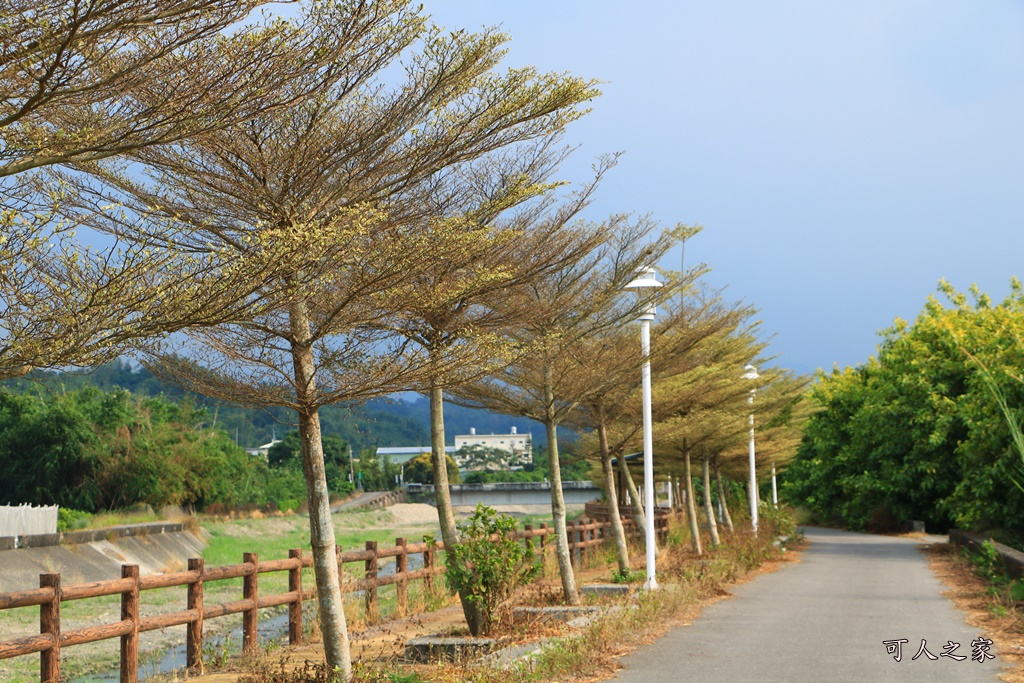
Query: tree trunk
[(446, 516), (724, 499), (321, 527), (621, 549), (572, 596), (709, 508), (691, 508), (439, 464), (634, 495)]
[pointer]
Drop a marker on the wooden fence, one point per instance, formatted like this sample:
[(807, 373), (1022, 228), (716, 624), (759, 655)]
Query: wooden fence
[(583, 535)]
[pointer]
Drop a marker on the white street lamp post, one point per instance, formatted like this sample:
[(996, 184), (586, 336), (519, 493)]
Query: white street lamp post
[(751, 373), (775, 489), (647, 279)]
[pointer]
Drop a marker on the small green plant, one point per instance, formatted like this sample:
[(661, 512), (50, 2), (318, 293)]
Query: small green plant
[(988, 563), (374, 672), (780, 522), (216, 653), (631, 576), (71, 520), (998, 610), (488, 564)]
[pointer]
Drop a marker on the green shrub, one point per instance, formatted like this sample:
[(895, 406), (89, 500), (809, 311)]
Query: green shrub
[(988, 563), (70, 520), (780, 522), (488, 564)]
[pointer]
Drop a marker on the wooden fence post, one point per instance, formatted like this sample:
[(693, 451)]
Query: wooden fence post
[(194, 636), (543, 534), (528, 528), (251, 592), (401, 568), (49, 624), (371, 583), (295, 608), (130, 612), (574, 549), (585, 536), (428, 563)]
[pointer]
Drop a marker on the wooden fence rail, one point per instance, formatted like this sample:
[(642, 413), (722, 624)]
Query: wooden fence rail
[(583, 536)]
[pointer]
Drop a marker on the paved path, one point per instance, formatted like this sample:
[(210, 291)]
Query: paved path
[(820, 620), (360, 500)]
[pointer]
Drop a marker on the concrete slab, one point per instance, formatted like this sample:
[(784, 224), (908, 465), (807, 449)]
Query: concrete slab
[(427, 649), (558, 613), (609, 589), (99, 561), (508, 656)]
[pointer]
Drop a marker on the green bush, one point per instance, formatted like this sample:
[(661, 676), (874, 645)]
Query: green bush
[(488, 564), (70, 520), (988, 563)]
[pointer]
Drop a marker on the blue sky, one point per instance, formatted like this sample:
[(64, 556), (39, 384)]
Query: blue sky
[(841, 156)]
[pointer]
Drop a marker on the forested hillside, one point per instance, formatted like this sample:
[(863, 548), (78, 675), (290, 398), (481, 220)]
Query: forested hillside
[(377, 423)]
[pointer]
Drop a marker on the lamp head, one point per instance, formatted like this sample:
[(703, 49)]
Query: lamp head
[(645, 278), (751, 372)]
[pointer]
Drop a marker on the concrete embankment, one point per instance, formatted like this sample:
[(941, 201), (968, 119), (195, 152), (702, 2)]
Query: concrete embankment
[(157, 548)]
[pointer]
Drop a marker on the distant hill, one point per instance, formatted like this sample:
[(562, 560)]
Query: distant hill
[(401, 422)]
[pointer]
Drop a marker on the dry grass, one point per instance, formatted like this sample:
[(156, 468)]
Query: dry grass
[(590, 654), (1000, 618), (688, 585)]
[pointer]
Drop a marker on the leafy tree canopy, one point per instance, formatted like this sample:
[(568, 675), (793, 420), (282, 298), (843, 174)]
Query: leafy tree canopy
[(95, 450), (916, 432)]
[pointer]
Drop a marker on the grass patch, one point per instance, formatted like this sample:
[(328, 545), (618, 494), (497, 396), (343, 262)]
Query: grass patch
[(688, 582)]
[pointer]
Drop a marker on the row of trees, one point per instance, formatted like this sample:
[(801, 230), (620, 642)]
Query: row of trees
[(918, 432), (330, 209), (285, 195), (586, 374)]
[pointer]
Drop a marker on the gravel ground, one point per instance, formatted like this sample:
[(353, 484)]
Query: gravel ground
[(413, 514)]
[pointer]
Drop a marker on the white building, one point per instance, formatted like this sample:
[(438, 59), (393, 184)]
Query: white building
[(519, 445), (264, 449)]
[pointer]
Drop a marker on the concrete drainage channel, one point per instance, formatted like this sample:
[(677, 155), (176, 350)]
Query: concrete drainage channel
[(482, 652)]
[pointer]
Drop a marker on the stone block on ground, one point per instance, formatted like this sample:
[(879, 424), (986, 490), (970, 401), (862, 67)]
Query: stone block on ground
[(608, 589), (426, 649), (556, 613)]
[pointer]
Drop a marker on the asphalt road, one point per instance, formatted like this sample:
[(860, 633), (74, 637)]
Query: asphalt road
[(824, 619)]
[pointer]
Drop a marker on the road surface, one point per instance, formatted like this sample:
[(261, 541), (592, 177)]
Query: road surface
[(360, 500), (826, 618)]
